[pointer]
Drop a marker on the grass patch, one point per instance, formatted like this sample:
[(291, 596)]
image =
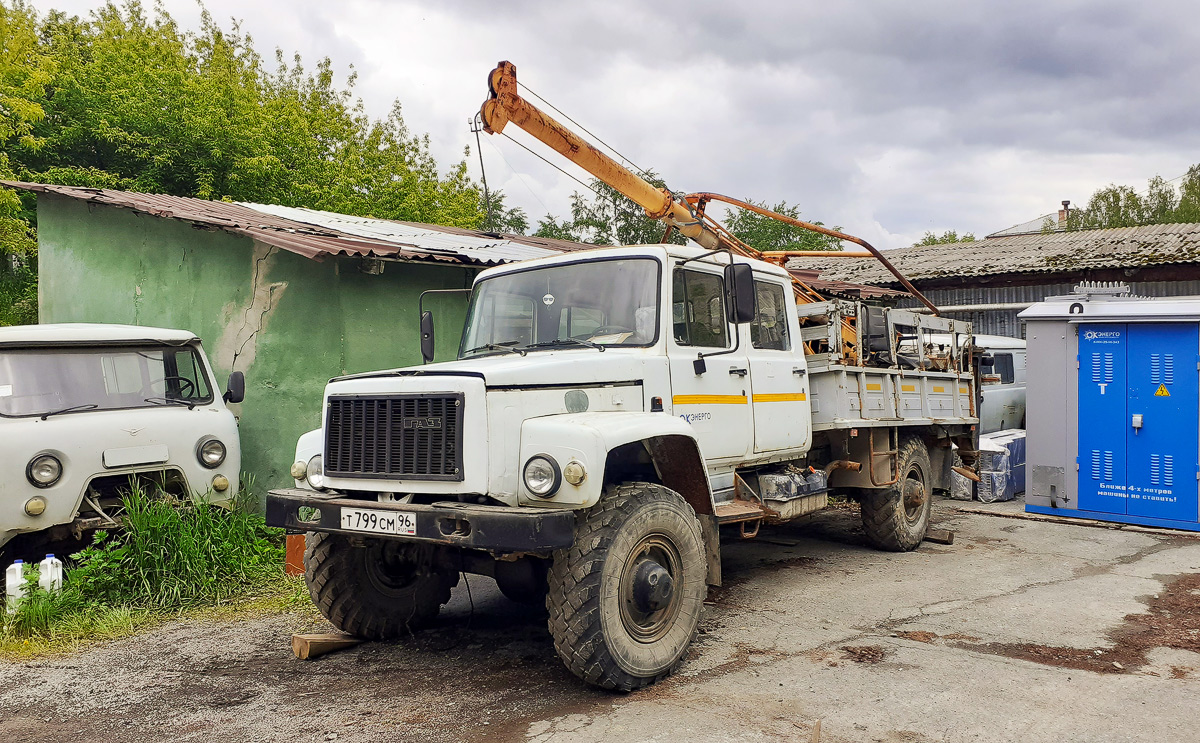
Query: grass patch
[(170, 559)]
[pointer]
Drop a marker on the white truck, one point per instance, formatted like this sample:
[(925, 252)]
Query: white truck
[(86, 407), (609, 411)]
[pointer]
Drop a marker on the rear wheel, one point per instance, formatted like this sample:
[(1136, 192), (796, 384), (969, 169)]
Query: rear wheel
[(896, 518), (379, 591), (625, 600)]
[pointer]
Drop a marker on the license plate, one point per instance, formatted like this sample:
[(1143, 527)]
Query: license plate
[(379, 522)]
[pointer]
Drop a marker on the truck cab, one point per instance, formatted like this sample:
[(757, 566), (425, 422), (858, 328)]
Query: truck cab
[(608, 412), (85, 408)]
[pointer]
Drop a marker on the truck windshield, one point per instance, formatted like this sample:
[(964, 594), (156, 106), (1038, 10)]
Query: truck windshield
[(611, 302), (40, 381)]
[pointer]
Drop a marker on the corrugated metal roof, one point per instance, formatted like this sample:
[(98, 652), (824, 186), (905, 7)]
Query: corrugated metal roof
[(1123, 247), (315, 234), (844, 288)]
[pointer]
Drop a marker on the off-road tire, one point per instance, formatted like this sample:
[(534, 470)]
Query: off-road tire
[(587, 618), (890, 523), (350, 585)]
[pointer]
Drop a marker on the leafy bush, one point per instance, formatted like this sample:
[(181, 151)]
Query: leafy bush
[(169, 555)]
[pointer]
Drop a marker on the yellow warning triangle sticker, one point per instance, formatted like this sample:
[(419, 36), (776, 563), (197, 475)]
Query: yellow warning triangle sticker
[(1162, 391)]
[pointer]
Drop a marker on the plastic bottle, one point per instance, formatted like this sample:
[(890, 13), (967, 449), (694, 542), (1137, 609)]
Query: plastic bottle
[(50, 574), (14, 584)]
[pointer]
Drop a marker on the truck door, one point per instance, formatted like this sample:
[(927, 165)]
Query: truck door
[(716, 403), (779, 394)]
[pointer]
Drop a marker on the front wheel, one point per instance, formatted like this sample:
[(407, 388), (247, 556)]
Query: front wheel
[(379, 591), (625, 600), (897, 517)]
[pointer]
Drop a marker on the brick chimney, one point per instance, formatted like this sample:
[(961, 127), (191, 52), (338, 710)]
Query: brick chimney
[(1064, 214)]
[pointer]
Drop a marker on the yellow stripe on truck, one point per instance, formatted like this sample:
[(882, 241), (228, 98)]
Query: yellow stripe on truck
[(709, 400), (781, 397)]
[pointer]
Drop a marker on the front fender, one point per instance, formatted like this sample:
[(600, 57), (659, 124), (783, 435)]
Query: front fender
[(588, 438), (309, 445)]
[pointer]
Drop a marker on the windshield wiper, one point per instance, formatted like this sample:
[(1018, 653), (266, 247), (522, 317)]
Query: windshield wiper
[(72, 409), (501, 346), (561, 341), (171, 401)]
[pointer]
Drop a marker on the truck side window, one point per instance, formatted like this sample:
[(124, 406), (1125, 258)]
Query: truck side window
[(698, 309), (1004, 367), (769, 329)]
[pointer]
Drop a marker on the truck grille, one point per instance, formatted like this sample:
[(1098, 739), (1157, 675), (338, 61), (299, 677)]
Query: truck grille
[(414, 437)]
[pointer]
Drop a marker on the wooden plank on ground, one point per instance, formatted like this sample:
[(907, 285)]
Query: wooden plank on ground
[(307, 647), (941, 536)]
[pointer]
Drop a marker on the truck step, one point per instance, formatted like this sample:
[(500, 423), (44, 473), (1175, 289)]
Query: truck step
[(736, 510)]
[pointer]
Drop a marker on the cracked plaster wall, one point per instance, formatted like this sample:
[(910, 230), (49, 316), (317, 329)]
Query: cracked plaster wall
[(287, 322)]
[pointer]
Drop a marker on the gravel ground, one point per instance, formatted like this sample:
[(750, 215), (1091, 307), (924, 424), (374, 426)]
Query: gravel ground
[(1022, 630)]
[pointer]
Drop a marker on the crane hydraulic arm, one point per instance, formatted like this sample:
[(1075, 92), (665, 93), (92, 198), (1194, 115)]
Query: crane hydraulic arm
[(687, 214)]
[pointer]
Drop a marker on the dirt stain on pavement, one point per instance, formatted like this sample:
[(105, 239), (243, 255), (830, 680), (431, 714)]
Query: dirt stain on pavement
[(1171, 620)]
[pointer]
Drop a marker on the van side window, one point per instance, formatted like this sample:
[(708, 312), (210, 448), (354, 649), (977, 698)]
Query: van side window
[(769, 329), (1004, 367), (698, 309)]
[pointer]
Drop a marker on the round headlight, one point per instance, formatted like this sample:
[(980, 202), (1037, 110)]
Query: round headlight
[(44, 470), (542, 476), (210, 452), (316, 477)]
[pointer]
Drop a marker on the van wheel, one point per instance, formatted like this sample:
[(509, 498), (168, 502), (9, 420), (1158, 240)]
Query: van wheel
[(625, 600), (896, 518), (380, 591)]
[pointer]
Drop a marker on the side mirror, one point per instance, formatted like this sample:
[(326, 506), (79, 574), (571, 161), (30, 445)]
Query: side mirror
[(427, 336), (987, 361), (739, 292), (235, 391)]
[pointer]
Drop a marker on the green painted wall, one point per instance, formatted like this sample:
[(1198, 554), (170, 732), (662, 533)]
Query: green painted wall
[(287, 322)]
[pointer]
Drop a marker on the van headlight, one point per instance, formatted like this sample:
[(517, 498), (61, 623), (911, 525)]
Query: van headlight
[(210, 452), (44, 470), (316, 478), (542, 476)]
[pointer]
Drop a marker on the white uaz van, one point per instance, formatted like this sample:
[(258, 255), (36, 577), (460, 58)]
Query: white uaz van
[(84, 407)]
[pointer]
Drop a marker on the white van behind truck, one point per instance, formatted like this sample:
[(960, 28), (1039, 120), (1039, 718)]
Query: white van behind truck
[(1002, 384), (85, 408)]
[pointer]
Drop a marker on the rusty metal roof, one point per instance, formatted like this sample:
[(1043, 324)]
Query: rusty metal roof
[(315, 234), (1055, 252)]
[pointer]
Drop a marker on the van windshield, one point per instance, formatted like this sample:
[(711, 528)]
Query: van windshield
[(611, 302), (40, 381)]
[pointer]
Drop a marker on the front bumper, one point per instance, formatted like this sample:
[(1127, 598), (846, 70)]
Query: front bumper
[(503, 529)]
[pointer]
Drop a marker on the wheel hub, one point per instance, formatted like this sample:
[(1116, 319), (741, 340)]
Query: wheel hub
[(652, 586), (648, 599), (914, 494)]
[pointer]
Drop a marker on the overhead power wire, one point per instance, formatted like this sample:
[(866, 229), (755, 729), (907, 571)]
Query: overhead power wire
[(554, 165), (563, 114), (518, 174)]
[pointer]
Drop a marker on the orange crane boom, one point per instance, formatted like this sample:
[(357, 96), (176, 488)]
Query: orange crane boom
[(687, 215)]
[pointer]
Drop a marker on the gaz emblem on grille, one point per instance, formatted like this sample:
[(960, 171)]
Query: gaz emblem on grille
[(431, 422)]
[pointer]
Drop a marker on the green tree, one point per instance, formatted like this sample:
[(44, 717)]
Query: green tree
[(549, 226), (504, 219), (949, 236), (765, 233), (126, 99), (609, 218), (24, 72), (1122, 206)]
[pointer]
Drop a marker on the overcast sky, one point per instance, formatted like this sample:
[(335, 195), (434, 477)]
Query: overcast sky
[(887, 118)]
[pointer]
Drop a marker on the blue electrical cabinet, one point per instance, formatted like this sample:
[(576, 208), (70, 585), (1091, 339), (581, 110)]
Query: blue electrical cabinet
[(1117, 436)]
